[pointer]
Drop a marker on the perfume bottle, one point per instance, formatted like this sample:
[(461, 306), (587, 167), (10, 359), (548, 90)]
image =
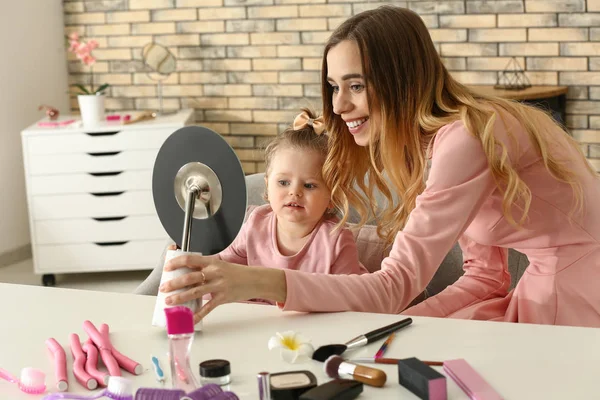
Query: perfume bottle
[(180, 330)]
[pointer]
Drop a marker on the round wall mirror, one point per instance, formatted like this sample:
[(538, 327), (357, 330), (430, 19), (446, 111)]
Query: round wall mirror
[(162, 64)]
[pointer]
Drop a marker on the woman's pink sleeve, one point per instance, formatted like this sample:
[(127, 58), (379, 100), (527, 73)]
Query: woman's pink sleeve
[(486, 276)]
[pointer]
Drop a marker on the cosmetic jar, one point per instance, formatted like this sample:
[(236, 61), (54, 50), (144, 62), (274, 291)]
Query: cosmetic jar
[(215, 371)]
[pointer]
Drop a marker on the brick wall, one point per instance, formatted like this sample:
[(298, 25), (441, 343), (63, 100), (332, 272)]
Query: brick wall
[(247, 66)]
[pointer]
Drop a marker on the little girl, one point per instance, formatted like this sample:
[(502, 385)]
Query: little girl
[(296, 230)]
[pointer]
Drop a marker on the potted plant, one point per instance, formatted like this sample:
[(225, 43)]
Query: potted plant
[(90, 100)]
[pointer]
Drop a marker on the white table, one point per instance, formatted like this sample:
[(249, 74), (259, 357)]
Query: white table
[(521, 361)]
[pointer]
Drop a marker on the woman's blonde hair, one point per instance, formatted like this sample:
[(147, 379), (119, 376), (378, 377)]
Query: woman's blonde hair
[(415, 96)]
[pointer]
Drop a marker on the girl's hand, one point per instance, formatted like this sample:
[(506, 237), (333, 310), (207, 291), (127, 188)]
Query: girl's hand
[(226, 282)]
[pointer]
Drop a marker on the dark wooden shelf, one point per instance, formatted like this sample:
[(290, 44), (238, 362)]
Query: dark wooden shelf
[(551, 98), (532, 93)]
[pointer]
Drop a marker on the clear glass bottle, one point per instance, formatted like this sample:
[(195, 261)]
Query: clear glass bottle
[(180, 330)]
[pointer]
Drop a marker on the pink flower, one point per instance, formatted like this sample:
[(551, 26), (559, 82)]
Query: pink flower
[(83, 48), (73, 44), (89, 60), (92, 44), (83, 52)]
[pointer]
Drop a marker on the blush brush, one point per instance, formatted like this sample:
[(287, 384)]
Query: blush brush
[(324, 352), (338, 368)]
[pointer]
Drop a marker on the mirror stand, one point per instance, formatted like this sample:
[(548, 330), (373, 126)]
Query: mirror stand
[(161, 111), (161, 64)]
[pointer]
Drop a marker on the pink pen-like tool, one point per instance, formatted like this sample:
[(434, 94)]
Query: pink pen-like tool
[(105, 348), (125, 362), (85, 379), (91, 363), (60, 364)]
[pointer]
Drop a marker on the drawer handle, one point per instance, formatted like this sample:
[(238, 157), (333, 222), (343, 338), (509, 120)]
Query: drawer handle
[(111, 243), (106, 153), (107, 133), (100, 194), (105, 219), (113, 173)]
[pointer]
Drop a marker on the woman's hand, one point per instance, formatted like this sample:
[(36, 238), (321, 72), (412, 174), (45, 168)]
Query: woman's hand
[(226, 282)]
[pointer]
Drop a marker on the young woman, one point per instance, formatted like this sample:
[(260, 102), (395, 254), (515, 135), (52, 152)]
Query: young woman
[(488, 173)]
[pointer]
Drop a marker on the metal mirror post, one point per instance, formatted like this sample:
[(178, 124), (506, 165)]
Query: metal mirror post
[(199, 193)]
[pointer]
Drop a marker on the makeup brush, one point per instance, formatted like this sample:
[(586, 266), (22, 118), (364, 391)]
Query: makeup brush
[(338, 368), (324, 352), (381, 360), (385, 345)]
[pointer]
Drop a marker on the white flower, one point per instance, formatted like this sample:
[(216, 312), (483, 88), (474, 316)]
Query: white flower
[(294, 347)]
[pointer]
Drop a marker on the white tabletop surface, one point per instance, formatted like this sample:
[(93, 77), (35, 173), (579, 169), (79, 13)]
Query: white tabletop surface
[(167, 120), (520, 361)]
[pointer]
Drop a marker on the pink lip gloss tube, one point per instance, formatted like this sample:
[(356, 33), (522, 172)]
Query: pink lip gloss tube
[(60, 364), (82, 377), (180, 332)]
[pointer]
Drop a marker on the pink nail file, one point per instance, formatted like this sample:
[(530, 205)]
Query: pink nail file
[(470, 381)]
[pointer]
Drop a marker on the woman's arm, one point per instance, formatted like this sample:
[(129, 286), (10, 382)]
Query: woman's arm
[(226, 282), (458, 184), (486, 276)]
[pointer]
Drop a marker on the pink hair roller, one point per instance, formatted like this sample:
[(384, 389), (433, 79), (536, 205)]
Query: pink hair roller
[(60, 364), (91, 363), (125, 362), (79, 358), (103, 344)]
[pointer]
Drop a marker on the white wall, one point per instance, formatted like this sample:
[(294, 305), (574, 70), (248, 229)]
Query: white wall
[(33, 71)]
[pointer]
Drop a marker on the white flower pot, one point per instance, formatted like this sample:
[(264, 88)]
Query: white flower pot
[(91, 107)]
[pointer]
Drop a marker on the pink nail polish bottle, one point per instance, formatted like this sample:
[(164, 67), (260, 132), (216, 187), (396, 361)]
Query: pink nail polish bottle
[(180, 330)]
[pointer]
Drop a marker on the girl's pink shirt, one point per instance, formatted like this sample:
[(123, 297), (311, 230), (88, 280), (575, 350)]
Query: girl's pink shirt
[(325, 252)]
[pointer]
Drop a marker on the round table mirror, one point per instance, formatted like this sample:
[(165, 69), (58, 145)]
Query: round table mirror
[(162, 63)]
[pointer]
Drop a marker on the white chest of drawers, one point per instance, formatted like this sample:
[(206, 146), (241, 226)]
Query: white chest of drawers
[(89, 193)]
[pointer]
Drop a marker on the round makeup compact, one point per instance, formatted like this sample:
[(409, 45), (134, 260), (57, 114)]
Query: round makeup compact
[(215, 371), (290, 385)]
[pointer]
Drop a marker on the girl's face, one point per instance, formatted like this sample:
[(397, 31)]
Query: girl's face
[(295, 186), (345, 75)]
